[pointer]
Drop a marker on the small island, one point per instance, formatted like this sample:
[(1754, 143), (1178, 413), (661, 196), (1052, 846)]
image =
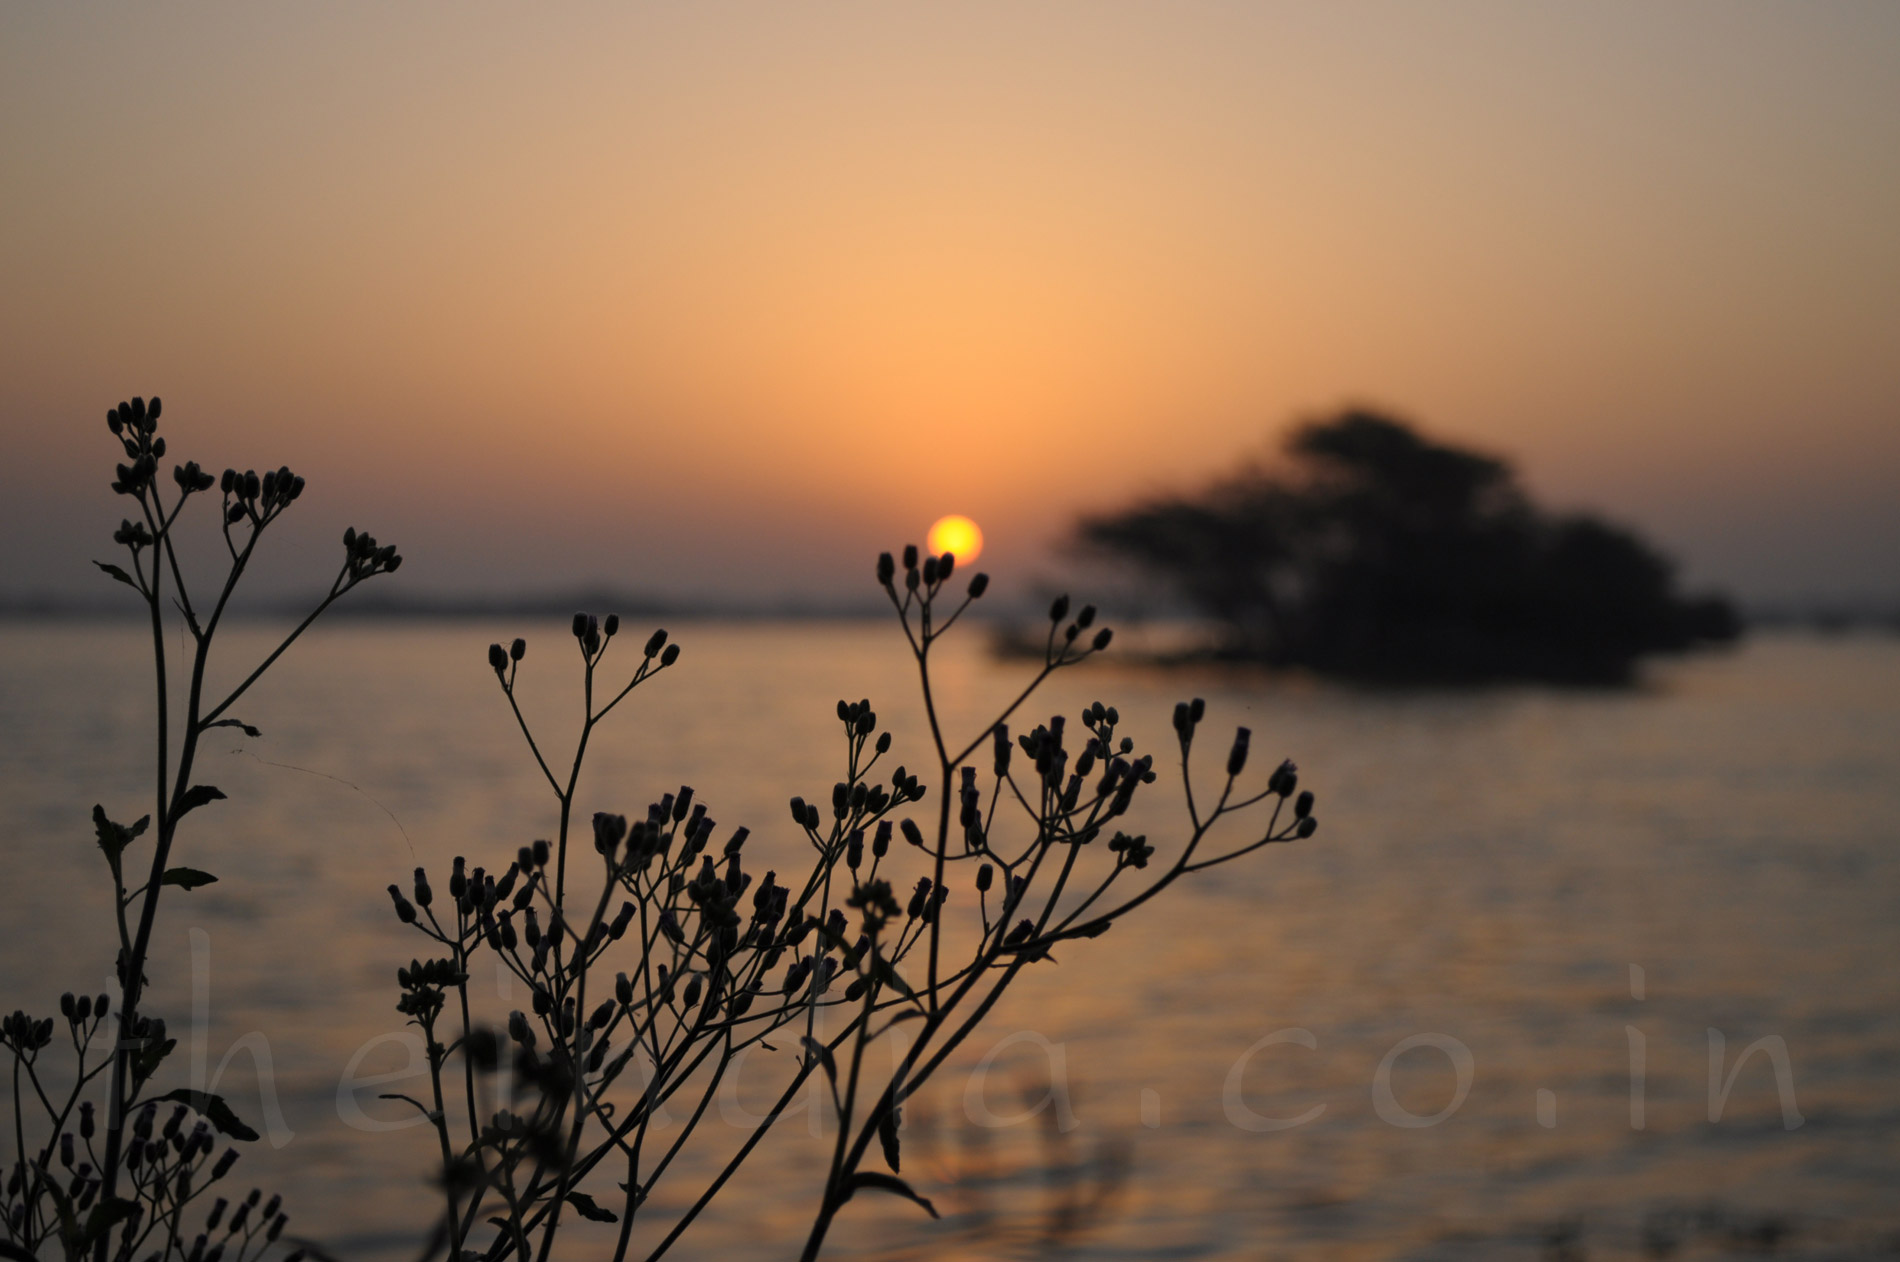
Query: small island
[(1372, 553)]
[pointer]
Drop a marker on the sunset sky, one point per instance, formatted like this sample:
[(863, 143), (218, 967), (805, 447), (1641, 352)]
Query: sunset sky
[(723, 299)]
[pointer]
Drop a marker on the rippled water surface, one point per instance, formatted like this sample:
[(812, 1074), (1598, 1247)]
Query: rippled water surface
[(1541, 883)]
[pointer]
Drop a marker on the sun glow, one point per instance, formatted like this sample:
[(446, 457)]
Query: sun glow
[(956, 534)]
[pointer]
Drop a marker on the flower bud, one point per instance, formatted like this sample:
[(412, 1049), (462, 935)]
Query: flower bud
[(612, 625), (580, 626), (881, 840), (1237, 756), (984, 875), (946, 564), (671, 655), (1060, 609), (886, 569), (223, 1168), (978, 585), (911, 833), (498, 658), (1303, 805), (424, 895), (930, 570), (518, 650), (404, 912), (541, 853), (655, 643), (1307, 827), (910, 556), (1102, 638)]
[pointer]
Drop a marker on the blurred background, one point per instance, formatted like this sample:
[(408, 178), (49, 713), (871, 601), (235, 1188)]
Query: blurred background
[(689, 312)]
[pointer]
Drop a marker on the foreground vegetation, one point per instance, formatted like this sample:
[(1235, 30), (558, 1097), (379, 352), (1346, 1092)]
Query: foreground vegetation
[(655, 951)]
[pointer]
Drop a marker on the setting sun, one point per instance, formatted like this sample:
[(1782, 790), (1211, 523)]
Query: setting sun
[(956, 534)]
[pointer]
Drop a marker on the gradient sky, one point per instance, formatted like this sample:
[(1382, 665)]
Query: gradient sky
[(712, 298)]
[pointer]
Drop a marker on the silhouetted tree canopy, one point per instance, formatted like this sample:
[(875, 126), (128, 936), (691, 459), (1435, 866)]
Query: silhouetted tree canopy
[(1375, 553)]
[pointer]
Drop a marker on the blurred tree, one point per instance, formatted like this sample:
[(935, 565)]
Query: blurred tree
[(1377, 554)]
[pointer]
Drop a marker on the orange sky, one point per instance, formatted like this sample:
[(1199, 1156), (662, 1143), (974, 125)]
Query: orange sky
[(702, 298)]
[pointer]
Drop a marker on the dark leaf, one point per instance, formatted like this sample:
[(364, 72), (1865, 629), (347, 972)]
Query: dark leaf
[(248, 729), (824, 1055), (882, 970), (152, 1057), (214, 1110), (114, 838), (13, 1251), (887, 1183), (68, 1223), (187, 878), (196, 796), (105, 1215), (887, 1134), (117, 573), (584, 1206)]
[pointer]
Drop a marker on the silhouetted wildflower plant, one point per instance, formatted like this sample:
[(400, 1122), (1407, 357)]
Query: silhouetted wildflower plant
[(713, 959), (123, 1182)]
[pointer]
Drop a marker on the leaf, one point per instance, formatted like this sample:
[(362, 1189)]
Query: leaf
[(13, 1251), (882, 970), (117, 573), (187, 878), (886, 1183), (196, 796), (105, 1215), (887, 1134), (248, 729), (68, 1224), (584, 1206), (114, 838), (824, 1055), (214, 1110), (152, 1057)]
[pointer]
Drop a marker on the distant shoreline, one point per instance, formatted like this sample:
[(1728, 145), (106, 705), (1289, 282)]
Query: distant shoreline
[(1819, 618)]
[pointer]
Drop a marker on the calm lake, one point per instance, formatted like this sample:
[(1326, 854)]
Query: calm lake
[(1417, 1035)]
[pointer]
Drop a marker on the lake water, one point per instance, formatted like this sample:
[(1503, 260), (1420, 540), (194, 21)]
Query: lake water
[(1526, 884)]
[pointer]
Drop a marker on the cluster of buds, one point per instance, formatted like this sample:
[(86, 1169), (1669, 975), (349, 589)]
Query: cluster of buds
[(501, 659), (24, 1035), (363, 556), (1132, 852), (1084, 619), (855, 804), (259, 498), (925, 576), (134, 424), (132, 534), (1283, 782), (174, 1155), (1121, 775), (247, 1219), (84, 1013), (423, 983)]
